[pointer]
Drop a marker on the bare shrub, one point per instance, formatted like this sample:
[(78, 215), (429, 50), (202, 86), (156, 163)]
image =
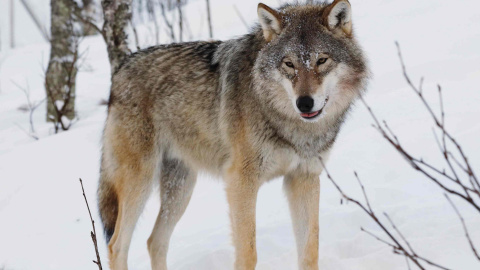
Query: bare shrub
[(457, 180), (30, 107)]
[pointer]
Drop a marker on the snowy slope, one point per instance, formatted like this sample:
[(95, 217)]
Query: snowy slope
[(44, 223)]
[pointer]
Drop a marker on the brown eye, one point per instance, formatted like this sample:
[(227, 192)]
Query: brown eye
[(321, 61), (289, 64)]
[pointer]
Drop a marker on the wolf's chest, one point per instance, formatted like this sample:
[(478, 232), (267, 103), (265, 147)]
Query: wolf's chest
[(282, 161)]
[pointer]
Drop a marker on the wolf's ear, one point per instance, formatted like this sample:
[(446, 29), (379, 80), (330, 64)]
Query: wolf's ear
[(338, 16), (270, 20)]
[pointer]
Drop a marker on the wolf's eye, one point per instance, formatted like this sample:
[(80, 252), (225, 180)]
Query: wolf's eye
[(289, 64), (321, 61)]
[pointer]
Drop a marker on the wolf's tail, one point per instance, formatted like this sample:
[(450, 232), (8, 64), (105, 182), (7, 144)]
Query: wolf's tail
[(108, 206)]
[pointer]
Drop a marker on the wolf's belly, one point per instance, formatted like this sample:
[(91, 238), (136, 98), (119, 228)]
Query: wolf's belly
[(202, 152)]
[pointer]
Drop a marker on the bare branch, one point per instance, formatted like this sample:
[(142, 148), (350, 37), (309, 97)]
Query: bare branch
[(240, 16), (415, 162), (467, 235), (167, 22), (408, 263), (397, 246), (77, 12), (35, 19), (32, 106), (153, 17), (438, 122), (180, 20), (93, 233), (398, 232), (363, 191), (135, 34), (379, 239), (457, 186), (31, 135), (209, 18)]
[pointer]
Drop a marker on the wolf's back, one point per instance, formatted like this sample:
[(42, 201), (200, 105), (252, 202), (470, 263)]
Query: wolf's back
[(160, 69)]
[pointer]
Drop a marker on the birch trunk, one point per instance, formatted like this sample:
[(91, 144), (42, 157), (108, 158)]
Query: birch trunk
[(61, 71), (117, 14)]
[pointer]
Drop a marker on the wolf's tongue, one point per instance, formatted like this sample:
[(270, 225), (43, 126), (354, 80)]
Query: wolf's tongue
[(309, 115)]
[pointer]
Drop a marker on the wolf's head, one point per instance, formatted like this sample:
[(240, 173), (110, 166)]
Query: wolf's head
[(311, 65)]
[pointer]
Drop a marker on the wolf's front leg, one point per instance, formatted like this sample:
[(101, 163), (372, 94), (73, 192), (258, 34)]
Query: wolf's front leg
[(303, 192), (242, 196)]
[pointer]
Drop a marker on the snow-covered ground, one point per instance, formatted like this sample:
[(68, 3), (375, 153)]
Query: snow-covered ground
[(44, 223)]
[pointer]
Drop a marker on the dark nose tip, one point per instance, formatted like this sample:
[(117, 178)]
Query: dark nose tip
[(305, 104)]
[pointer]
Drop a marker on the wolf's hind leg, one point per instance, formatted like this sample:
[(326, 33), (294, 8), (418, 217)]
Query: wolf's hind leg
[(133, 187), (303, 193), (177, 182), (129, 162)]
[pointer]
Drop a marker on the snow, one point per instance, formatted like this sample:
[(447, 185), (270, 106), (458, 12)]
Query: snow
[(44, 223)]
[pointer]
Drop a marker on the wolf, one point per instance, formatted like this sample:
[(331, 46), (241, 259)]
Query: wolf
[(265, 105)]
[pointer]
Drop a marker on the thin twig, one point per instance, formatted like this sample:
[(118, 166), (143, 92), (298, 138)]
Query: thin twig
[(93, 233), (398, 248), (437, 121), (153, 17), (135, 34), (363, 191), (33, 136), (398, 232), (378, 238), (413, 161), (408, 263), (167, 22), (77, 12), (180, 20), (209, 18), (240, 16), (467, 235), (457, 186), (32, 106)]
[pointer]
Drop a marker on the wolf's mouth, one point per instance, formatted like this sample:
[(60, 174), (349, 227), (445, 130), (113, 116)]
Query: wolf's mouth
[(314, 114)]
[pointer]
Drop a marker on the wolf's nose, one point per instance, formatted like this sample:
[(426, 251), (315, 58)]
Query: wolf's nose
[(305, 104)]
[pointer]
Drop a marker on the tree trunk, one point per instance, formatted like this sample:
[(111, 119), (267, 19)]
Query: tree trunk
[(62, 70), (88, 11), (117, 14)]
